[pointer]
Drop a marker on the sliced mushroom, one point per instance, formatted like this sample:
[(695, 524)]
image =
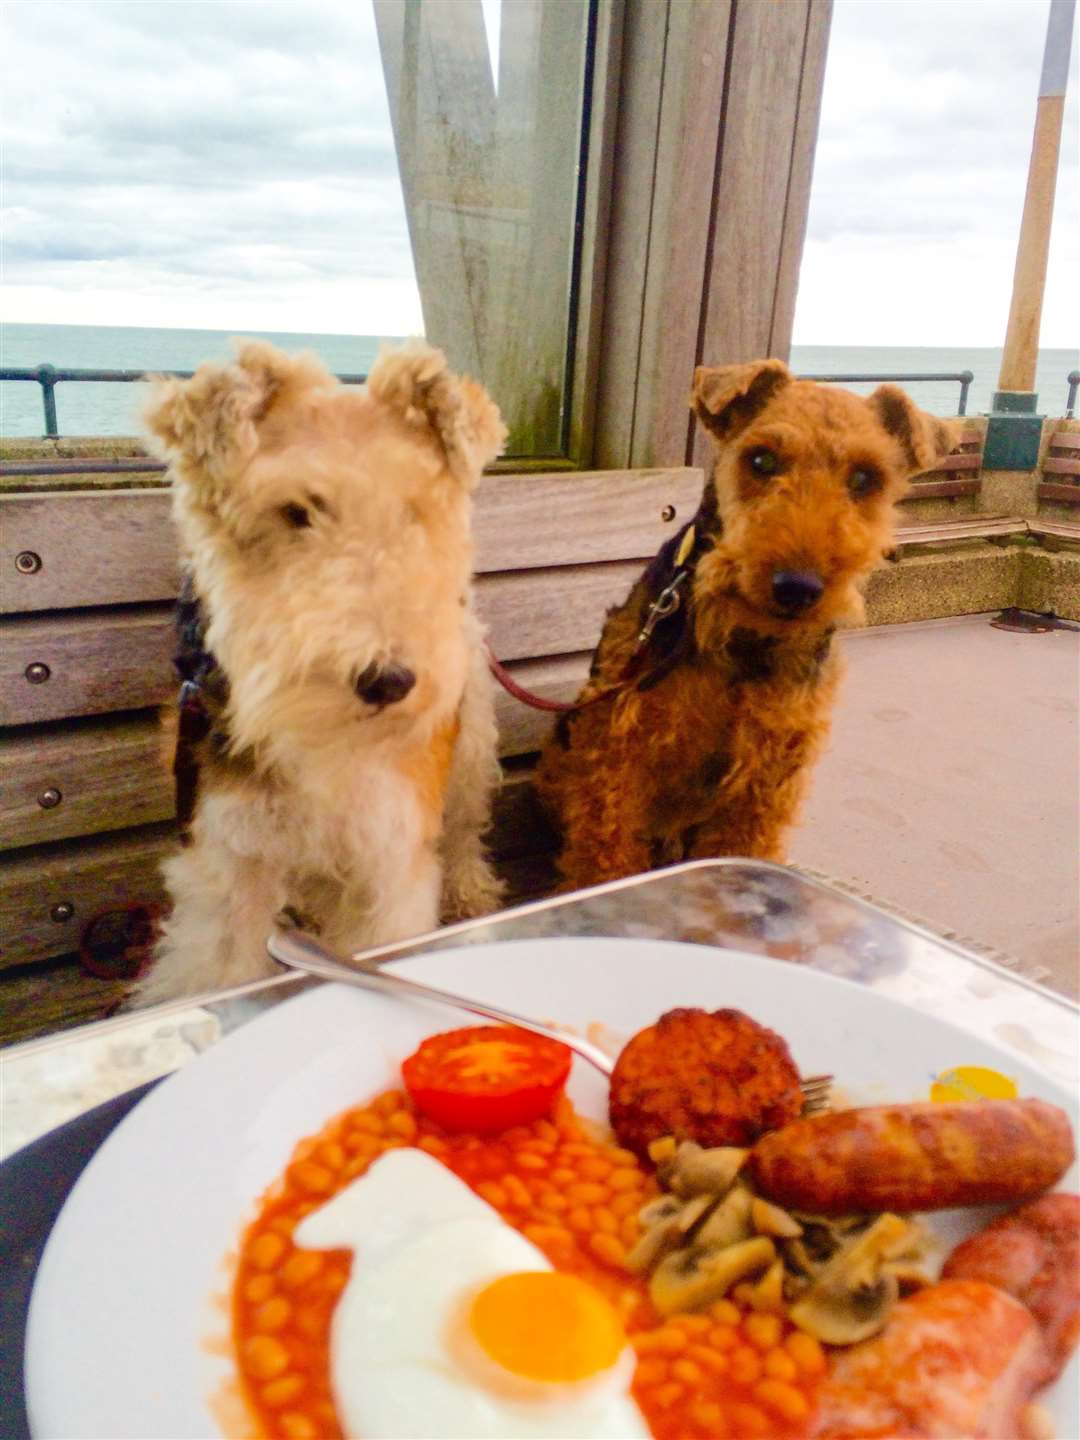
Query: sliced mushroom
[(728, 1223), (693, 1277), (664, 1207), (822, 1236), (662, 1233), (771, 1220), (768, 1294), (852, 1295), (697, 1171), (692, 1212)]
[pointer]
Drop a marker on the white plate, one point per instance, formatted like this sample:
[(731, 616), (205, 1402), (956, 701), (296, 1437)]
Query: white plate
[(123, 1313)]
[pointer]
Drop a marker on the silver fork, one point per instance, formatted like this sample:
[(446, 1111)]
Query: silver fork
[(298, 950)]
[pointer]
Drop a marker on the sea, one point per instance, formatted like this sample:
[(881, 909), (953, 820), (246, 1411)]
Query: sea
[(102, 408)]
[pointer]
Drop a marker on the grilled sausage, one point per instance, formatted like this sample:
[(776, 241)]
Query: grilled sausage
[(1034, 1255), (915, 1157)]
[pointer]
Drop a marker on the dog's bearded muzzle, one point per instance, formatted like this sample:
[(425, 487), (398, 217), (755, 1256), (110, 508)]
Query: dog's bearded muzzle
[(382, 685)]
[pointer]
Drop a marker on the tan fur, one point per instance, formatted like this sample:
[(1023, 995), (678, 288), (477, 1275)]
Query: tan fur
[(310, 797), (715, 758)]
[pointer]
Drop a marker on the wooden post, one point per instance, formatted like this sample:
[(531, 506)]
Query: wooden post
[(1021, 351), (1014, 430)]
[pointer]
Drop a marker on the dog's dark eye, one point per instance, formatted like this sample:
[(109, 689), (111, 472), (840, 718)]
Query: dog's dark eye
[(763, 462), (863, 482), (296, 516)]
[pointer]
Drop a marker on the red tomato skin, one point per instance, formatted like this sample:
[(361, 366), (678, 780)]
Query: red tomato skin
[(458, 1107)]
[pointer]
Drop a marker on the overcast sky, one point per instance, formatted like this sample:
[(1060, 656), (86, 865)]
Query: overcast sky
[(230, 165)]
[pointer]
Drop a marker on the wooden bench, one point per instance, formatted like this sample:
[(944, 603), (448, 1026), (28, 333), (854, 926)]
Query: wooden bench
[(1061, 468), (957, 474)]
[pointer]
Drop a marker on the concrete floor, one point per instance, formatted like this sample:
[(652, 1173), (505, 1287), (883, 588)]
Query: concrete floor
[(951, 787)]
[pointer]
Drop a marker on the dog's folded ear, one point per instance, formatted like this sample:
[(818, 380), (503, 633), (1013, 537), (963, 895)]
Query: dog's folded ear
[(924, 439), (414, 378), (208, 424), (727, 397)]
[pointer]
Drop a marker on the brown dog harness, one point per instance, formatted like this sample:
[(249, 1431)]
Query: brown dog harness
[(202, 691), (192, 728)]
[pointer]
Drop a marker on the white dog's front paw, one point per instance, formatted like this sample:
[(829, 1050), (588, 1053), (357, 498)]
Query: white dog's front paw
[(472, 889)]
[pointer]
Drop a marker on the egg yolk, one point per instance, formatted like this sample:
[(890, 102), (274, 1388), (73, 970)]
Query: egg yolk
[(546, 1326)]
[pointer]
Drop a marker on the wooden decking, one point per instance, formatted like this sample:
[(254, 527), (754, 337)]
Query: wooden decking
[(951, 787)]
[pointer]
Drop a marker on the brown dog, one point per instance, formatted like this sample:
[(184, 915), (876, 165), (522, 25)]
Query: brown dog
[(712, 686)]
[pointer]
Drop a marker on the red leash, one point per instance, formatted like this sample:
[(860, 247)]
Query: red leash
[(510, 685)]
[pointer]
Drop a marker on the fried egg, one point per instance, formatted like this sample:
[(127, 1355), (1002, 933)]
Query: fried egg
[(454, 1325)]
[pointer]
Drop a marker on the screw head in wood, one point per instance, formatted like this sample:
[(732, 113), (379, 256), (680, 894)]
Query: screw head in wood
[(667, 514), (27, 562), (62, 912), (49, 799), (37, 672)]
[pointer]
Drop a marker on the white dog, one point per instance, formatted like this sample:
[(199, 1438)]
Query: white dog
[(337, 740)]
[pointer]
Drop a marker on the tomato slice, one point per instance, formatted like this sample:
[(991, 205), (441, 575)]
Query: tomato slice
[(486, 1077)]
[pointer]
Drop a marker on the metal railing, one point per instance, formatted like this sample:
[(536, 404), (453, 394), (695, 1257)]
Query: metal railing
[(963, 378), (48, 377)]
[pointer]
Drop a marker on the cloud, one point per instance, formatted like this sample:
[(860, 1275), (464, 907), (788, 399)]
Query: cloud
[(920, 173), (240, 152)]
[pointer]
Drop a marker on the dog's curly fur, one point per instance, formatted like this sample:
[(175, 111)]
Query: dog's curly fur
[(325, 533), (707, 752)]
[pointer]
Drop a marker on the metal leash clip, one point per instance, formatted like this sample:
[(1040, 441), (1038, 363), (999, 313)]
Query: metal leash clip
[(665, 604)]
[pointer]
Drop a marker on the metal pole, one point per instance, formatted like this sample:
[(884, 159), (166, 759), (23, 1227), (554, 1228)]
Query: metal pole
[(1029, 280), (1014, 429), (966, 377), (47, 381)]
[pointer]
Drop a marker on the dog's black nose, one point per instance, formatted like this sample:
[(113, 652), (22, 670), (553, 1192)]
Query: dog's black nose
[(796, 590), (385, 685)]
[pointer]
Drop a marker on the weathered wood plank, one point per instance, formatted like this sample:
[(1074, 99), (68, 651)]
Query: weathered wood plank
[(669, 134), (1061, 465), (594, 221), (959, 460), (751, 195), (98, 661), (534, 613), (108, 773), (931, 489), (46, 998), (1064, 494), (87, 876), (118, 547), (571, 519), (1065, 440), (804, 144), (442, 109), (110, 548)]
